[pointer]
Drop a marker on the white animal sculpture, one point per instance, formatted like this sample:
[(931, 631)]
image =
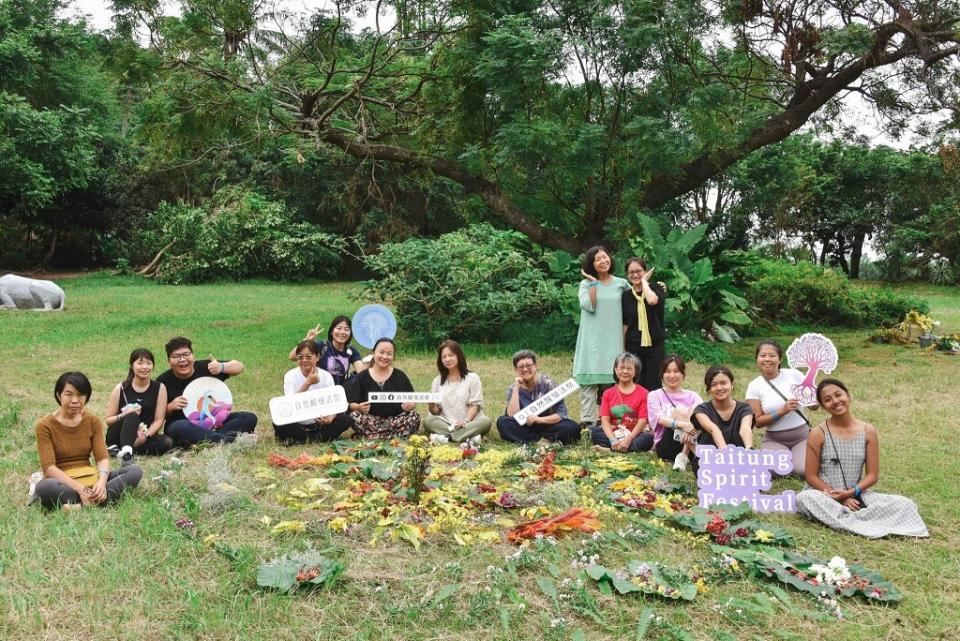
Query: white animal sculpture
[(18, 292)]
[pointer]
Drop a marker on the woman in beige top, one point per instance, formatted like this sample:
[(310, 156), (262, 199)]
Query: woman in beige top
[(459, 414)]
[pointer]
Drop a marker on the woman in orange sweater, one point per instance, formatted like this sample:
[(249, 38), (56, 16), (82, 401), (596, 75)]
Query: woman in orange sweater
[(65, 440)]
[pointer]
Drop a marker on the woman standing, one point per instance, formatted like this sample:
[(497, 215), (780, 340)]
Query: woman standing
[(670, 409), (65, 440), (136, 411), (337, 354), (459, 415), (643, 326), (843, 463), (723, 420), (773, 404), (600, 337), (381, 420), (623, 411)]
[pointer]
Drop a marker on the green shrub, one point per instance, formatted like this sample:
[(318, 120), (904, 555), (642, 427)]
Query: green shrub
[(804, 293), (693, 348), (234, 236), (466, 284)]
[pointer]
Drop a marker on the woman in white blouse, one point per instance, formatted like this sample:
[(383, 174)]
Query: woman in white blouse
[(459, 415), (771, 398)]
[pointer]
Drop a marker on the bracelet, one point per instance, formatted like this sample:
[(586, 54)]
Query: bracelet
[(104, 472), (774, 415), (857, 491), (674, 426), (593, 283), (221, 367)]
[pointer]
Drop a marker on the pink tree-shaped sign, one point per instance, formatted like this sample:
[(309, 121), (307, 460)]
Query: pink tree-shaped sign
[(816, 353)]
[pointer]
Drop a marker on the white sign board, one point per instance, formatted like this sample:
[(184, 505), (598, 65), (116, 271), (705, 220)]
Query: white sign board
[(403, 397), (305, 406), (546, 401)]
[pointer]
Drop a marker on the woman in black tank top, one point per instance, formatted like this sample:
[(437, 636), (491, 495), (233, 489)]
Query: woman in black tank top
[(135, 412)]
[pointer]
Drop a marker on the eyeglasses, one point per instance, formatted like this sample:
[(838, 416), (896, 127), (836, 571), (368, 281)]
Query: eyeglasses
[(306, 357), (181, 356), (635, 272), (526, 367)]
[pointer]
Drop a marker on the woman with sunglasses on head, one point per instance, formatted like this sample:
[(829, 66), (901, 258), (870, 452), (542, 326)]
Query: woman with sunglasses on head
[(843, 463), (459, 415), (307, 375), (136, 411), (337, 353)]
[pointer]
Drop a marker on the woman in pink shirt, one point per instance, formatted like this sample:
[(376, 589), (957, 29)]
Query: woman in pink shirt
[(669, 409)]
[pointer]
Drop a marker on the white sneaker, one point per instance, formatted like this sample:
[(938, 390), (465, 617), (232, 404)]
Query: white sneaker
[(439, 438), (476, 441), (125, 455), (680, 462)]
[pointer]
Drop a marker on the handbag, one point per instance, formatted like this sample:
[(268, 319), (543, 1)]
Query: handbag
[(86, 475), (843, 477)]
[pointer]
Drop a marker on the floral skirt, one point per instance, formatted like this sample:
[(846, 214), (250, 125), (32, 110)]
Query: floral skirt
[(367, 426)]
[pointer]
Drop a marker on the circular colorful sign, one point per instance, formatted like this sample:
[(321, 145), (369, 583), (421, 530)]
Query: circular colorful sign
[(209, 402), (373, 322)]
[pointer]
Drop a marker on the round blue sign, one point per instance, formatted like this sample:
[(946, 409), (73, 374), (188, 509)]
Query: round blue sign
[(373, 322)]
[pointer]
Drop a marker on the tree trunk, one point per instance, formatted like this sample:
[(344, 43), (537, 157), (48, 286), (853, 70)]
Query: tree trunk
[(45, 261), (856, 252)]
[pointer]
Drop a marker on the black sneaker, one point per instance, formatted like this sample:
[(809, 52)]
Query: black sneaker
[(229, 437), (113, 450), (126, 459)]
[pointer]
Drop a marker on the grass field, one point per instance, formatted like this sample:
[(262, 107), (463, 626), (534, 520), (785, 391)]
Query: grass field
[(128, 572)]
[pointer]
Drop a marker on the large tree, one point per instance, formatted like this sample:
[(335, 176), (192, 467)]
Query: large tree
[(562, 116)]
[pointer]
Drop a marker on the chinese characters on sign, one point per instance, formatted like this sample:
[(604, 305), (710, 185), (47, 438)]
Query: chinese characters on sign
[(546, 401)]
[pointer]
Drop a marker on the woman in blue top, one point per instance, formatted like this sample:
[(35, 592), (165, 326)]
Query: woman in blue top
[(600, 337), (337, 355)]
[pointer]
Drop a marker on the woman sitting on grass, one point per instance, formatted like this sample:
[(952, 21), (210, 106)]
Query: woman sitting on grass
[(459, 415), (336, 354), (723, 420), (669, 409), (623, 410), (136, 410), (65, 440), (381, 420), (308, 376), (843, 463)]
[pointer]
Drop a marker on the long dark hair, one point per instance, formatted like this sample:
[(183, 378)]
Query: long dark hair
[(135, 355), (587, 264), (336, 321), (454, 347)]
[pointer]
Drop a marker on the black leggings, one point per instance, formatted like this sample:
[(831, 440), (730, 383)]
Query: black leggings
[(651, 358), (296, 433), (52, 493), (124, 432)]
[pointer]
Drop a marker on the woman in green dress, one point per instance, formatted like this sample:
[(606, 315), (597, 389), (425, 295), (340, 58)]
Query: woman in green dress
[(600, 338)]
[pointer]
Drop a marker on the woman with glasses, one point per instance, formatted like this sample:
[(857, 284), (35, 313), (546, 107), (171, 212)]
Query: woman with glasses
[(336, 354), (643, 325), (136, 410), (623, 411), (308, 376), (552, 424), (843, 464)]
